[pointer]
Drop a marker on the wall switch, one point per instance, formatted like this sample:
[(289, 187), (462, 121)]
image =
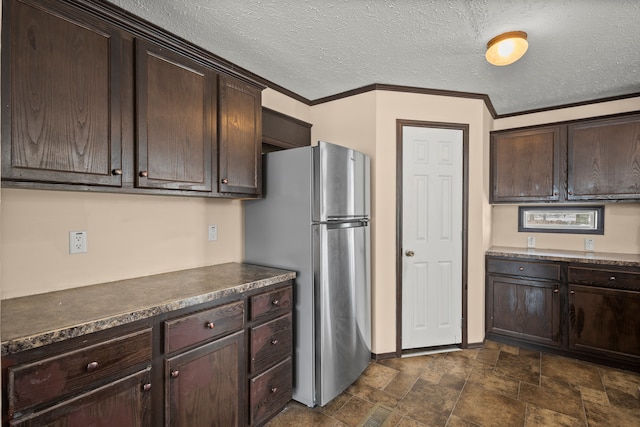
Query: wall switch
[(213, 232), (589, 245), (77, 242), (531, 242)]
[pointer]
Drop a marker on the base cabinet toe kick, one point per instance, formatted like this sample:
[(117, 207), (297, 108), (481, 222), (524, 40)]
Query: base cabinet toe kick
[(581, 310)]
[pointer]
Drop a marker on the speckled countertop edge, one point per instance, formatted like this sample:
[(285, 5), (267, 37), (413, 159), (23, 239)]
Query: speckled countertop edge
[(608, 258), (34, 321)]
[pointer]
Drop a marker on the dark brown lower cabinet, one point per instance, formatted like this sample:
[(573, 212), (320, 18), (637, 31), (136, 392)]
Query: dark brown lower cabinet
[(524, 309), (584, 311), (204, 386), (124, 403)]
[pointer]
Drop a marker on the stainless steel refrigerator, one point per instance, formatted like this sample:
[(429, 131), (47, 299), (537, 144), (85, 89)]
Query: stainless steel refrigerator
[(314, 219)]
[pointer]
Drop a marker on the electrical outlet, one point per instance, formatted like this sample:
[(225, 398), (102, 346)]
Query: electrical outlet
[(589, 245), (213, 232), (77, 242), (531, 242)]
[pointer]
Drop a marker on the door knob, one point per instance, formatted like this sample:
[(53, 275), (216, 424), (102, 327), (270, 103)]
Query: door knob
[(409, 253)]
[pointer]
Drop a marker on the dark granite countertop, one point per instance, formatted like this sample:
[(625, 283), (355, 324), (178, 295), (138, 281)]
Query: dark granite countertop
[(33, 321), (608, 258)]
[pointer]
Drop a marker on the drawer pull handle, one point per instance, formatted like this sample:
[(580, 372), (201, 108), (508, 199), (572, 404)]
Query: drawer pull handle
[(274, 342), (274, 390), (210, 325), (92, 366), (174, 374), (275, 302), (146, 387), (521, 268), (612, 278)]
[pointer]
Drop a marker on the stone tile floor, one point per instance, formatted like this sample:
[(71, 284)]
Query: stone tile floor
[(497, 385)]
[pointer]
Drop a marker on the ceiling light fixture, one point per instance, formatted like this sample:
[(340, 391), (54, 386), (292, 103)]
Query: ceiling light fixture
[(507, 48)]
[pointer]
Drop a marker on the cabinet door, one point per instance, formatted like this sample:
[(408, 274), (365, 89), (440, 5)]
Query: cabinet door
[(61, 115), (604, 159), (204, 386), (175, 110), (524, 309), (240, 128), (604, 321), (122, 403), (527, 166)]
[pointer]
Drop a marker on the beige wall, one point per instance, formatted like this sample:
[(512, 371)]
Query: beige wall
[(128, 236), (622, 221)]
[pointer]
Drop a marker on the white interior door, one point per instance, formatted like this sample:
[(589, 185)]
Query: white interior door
[(431, 237)]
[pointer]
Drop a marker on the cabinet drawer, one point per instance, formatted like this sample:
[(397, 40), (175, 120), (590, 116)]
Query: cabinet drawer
[(270, 343), (203, 325), (605, 278), (270, 391), (38, 382), (538, 270), (271, 304)]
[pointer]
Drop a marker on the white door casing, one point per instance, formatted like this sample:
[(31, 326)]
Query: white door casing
[(431, 236)]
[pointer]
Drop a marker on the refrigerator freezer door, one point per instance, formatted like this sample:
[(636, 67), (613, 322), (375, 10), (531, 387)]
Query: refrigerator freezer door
[(343, 301), (341, 181)]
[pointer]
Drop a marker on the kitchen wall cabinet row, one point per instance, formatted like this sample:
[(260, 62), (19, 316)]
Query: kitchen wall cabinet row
[(580, 310), (587, 160), (224, 363), (91, 101)]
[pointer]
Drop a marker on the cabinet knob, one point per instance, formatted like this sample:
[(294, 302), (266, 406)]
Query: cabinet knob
[(116, 172), (144, 174), (556, 290), (570, 192), (92, 366), (275, 302), (174, 374), (274, 341), (572, 292), (146, 387), (225, 181), (555, 193), (409, 253), (274, 390), (211, 325), (612, 278), (521, 268)]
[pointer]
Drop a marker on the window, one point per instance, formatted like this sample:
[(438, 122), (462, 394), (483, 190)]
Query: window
[(561, 219)]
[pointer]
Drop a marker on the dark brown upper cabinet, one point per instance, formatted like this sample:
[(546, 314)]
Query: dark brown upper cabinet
[(280, 131), (175, 112), (581, 161), (604, 159), (526, 165), (240, 130), (61, 93)]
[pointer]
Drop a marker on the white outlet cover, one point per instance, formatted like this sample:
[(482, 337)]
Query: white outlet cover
[(589, 245), (77, 242), (531, 242)]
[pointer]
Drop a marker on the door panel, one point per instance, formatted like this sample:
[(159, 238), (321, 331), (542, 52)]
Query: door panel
[(432, 237)]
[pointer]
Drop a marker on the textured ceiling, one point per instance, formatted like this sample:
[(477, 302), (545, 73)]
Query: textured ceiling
[(579, 50)]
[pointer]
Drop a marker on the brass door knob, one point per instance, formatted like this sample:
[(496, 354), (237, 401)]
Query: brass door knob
[(409, 253)]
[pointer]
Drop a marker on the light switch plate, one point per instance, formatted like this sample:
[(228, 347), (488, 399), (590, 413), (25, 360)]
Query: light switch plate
[(213, 232)]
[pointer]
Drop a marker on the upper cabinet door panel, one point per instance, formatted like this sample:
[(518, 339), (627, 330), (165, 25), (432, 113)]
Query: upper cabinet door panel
[(62, 96), (604, 159), (525, 165), (175, 107), (240, 128)]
